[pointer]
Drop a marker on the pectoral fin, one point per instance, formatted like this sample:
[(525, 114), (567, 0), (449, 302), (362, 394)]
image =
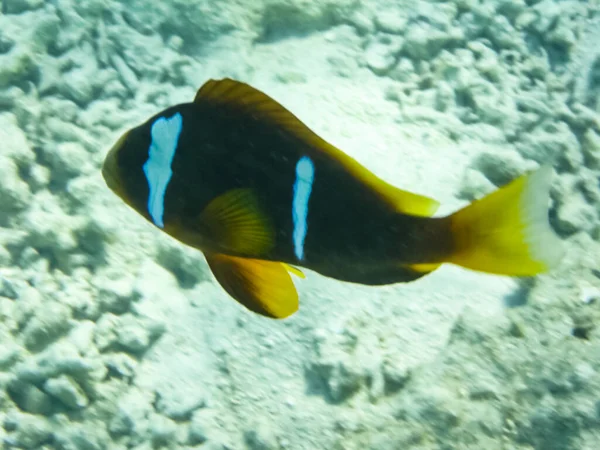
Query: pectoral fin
[(236, 221), (264, 287)]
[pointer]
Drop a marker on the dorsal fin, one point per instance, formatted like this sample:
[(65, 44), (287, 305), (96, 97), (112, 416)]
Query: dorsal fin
[(228, 93)]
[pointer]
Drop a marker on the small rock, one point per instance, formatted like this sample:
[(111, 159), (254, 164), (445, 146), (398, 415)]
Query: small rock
[(395, 375), (502, 33), (29, 398), (342, 381), (200, 427), (127, 76), (14, 192), (490, 104), (82, 336), (552, 142), (562, 36), (15, 145), (501, 168), (391, 21), (362, 23), (50, 322), (381, 53), (483, 387), (105, 333), (133, 334), (5, 257), (182, 262), (575, 215), (67, 390), (120, 364), (20, 6), (439, 14), (39, 177), (68, 160), (404, 71), (31, 432), (9, 354), (474, 185), (163, 431), (178, 403), (132, 414), (583, 374), (589, 294), (590, 145), (424, 41), (116, 293), (91, 435), (7, 288), (444, 97), (75, 85), (261, 437), (60, 358)]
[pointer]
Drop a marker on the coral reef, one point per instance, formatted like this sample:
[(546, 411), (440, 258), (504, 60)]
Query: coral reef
[(115, 336)]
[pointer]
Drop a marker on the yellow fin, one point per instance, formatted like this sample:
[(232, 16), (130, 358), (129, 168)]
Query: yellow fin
[(423, 268), (507, 232), (236, 221), (413, 204), (231, 94), (264, 287), (294, 270)]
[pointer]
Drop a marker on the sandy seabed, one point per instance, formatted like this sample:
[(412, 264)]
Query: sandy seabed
[(114, 336)]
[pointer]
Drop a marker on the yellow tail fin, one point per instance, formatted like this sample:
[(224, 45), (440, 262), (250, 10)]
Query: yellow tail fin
[(507, 232)]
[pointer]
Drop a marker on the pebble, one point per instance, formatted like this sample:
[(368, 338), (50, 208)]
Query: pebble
[(91, 435), (575, 215), (82, 336), (14, 192), (201, 424), (68, 391), (50, 322), (163, 431), (179, 404), (391, 21), (424, 42), (116, 293), (261, 437), (8, 288), (590, 145), (30, 432), (133, 334), (10, 353), (29, 398), (552, 142), (20, 6), (121, 364), (60, 358), (126, 75), (474, 185), (382, 53), (500, 167)]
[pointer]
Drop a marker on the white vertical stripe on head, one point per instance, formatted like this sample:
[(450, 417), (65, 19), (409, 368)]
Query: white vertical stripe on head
[(165, 136), (305, 175)]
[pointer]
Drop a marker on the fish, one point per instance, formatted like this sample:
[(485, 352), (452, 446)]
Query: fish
[(239, 177)]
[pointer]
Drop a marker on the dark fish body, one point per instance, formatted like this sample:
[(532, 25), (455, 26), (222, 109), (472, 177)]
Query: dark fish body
[(237, 176)]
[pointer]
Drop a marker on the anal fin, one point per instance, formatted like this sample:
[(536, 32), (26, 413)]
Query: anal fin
[(264, 287)]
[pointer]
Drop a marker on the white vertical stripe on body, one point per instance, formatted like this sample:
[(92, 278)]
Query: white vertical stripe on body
[(305, 175), (165, 136)]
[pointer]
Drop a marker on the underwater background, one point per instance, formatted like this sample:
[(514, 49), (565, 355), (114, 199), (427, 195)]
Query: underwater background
[(115, 336)]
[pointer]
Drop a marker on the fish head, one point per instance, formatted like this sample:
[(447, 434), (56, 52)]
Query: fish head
[(122, 169)]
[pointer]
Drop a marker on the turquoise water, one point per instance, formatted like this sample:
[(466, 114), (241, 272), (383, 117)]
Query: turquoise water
[(115, 336)]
